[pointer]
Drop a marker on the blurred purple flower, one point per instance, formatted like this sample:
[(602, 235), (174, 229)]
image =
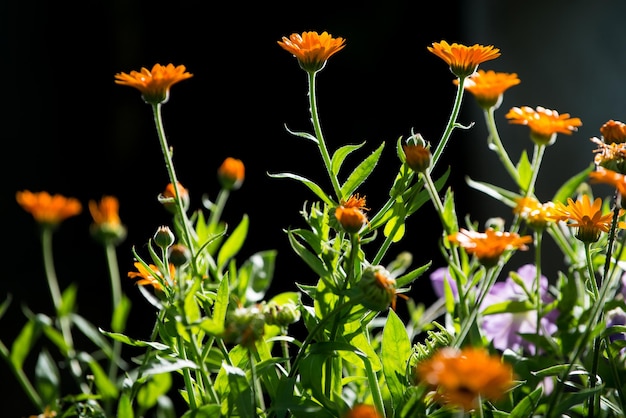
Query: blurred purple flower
[(504, 329), (616, 316), (436, 279)]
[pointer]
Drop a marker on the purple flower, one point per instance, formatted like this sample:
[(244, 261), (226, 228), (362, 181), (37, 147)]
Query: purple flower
[(614, 317), (436, 279), (504, 329)]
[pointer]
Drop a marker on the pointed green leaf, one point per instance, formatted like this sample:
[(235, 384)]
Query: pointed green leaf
[(505, 196), (568, 189), (133, 342), (396, 350), (524, 170), (340, 155), (233, 243), (314, 187), (361, 172), (309, 258), (259, 269)]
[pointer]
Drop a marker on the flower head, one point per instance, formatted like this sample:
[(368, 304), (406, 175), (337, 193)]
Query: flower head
[(152, 277), (488, 87), (350, 214), (463, 60), (168, 197), (362, 411), (488, 246), (544, 123), (463, 377), (154, 84), (613, 132), (231, 173), (107, 226), (417, 157), (379, 289), (610, 156), (48, 209), (610, 177), (585, 216), (504, 330), (311, 49), (535, 213)]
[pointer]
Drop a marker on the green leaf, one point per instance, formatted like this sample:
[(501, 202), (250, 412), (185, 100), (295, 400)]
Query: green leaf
[(131, 341), (340, 155), (68, 300), (24, 342), (412, 275), (47, 378), (361, 172), (449, 211), (257, 273), (92, 332), (215, 325), (120, 314), (106, 388), (511, 306), (125, 407), (309, 258), (528, 405), (233, 243), (5, 305), (205, 411), (314, 187), (524, 170), (302, 135), (395, 225), (568, 189), (396, 350), (149, 393), (505, 196), (240, 393)]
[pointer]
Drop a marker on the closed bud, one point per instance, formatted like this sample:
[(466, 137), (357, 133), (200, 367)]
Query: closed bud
[(231, 173), (378, 288), (179, 255), (164, 237), (168, 198), (281, 315), (245, 326)]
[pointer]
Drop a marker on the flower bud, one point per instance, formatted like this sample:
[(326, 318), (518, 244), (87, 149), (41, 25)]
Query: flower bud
[(245, 326), (164, 237), (168, 198), (418, 157), (351, 219), (179, 255), (231, 173), (281, 315), (378, 287)]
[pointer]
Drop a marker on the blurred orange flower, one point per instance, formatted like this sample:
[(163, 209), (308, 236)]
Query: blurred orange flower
[(544, 123), (48, 209), (154, 84), (613, 132), (362, 411), (535, 213), (231, 173), (107, 226)]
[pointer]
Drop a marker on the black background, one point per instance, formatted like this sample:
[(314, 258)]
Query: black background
[(69, 129)]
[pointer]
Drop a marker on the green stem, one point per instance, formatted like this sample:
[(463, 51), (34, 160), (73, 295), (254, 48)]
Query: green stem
[(451, 124), (22, 378), (116, 297), (534, 170), (495, 144), (320, 138), (538, 298), (217, 209), (180, 207)]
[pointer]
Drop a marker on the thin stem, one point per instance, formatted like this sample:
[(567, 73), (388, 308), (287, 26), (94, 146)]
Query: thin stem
[(217, 209), (534, 170), (495, 144), (538, 298), (320, 138), (116, 299)]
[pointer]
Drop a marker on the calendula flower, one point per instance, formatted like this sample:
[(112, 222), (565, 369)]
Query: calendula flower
[(154, 84), (379, 289), (610, 177), (610, 156), (463, 60), (245, 326), (417, 157), (544, 123), (231, 173), (585, 216), (107, 226), (535, 213), (350, 214), (613, 132), (488, 87), (462, 378), (311, 49), (362, 411), (152, 277), (488, 246), (168, 197), (48, 209)]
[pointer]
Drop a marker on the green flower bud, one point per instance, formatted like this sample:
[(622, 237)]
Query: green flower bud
[(179, 255), (164, 237), (281, 315), (378, 287), (245, 326)]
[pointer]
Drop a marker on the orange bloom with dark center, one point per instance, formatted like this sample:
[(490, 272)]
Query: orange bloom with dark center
[(48, 209), (535, 213), (610, 177), (418, 157), (487, 87), (152, 277), (544, 123), (488, 246), (585, 216), (613, 131), (107, 226), (463, 377), (362, 411), (311, 49), (154, 84), (231, 173), (463, 60)]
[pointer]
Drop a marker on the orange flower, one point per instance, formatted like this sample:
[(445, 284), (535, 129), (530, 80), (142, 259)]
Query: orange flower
[(613, 131), (488, 246), (154, 84), (362, 411), (544, 123), (610, 177), (168, 197), (311, 49), (350, 214), (107, 226), (585, 216), (231, 173), (488, 87), (463, 377), (535, 213), (152, 277), (417, 157), (48, 209), (463, 60), (610, 156)]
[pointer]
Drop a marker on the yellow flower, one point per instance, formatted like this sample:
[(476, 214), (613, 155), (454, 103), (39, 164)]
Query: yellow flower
[(613, 131), (417, 157), (487, 87), (585, 216), (463, 377), (544, 123), (535, 213), (311, 49), (488, 246), (362, 411), (152, 277), (463, 60), (107, 226), (48, 209), (154, 84), (231, 173)]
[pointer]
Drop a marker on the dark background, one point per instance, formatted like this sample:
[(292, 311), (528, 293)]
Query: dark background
[(69, 129)]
